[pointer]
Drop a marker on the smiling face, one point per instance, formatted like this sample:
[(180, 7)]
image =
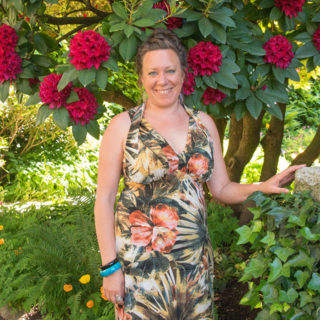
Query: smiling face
[(162, 77)]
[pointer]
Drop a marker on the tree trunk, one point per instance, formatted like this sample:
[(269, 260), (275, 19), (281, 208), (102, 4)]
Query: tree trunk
[(311, 153), (116, 96), (235, 133), (247, 145), (221, 126), (271, 144)]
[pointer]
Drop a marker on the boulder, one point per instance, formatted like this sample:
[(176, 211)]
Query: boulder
[(308, 179)]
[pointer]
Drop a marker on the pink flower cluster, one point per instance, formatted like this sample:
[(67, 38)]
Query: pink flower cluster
[(10, 62), (49, 93), (87, 49), (291, 8), (278, 51), (204, 58), (316, 38), (173, 22), (188, 84), (83, 110), (212, 96)]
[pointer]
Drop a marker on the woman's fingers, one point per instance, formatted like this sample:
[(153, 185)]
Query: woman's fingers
[(287, 176)]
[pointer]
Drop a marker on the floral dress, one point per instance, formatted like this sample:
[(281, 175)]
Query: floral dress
[(162, 238)]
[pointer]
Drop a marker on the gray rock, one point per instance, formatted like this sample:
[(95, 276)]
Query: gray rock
[(7, 314), (308, 179)]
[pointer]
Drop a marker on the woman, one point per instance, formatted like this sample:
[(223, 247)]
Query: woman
[(159, 231)]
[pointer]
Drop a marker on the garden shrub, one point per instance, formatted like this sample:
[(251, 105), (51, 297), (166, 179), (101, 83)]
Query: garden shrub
[(44, 254), (283, 272)]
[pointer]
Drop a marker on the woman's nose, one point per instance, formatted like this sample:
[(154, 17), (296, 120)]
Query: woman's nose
[(162, 78)]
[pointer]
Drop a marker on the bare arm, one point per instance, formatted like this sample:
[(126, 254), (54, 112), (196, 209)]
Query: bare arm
[(109, 171), (230, 192)]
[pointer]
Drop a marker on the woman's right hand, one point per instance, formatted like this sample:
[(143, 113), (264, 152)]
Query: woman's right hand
[(113, 286)]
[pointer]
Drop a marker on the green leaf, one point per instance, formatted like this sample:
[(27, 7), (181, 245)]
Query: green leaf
[(93, 128), (290, 296), (256, 267), (67, 77), (314, 283), (302, 277), (230, 65), (305, 298), (43, 113), (143, 23), (270, 293), (221, 18), (27, 73), (251, 298), (80, 133), (144, 9), (266, 4), (292, 74), (18, 4), (269, 239), (245, 234), (303, 37), (275, 13), (305, 51), (205, 26), (279, 213), (128, 48), (254, 106), (316, 18), (256, 211), (86, 76), (225, 78), (301, 260), (110, 64), (257, 226), (280, 74), (277, 307), (117, 27), (307, 234), (316, 60), (119, 10), (102, 78), (275, 111), (219, 33), (128, 30), (40, 44), (4, 90), (73, 97), (61, 117), (239, 110), (42, 61), (192, 15), (34, 99), (275, 270), (284, 253)]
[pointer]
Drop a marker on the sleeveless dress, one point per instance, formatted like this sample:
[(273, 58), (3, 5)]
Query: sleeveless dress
[(162, 240)]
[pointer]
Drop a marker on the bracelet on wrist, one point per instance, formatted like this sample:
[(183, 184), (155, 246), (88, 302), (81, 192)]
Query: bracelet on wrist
[(108, 265), (110, 270)]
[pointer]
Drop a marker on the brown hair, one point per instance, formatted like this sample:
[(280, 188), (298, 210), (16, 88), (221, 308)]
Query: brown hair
[(161, 39)]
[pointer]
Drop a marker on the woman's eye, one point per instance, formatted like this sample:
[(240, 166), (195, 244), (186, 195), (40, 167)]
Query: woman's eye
[(171, 71), (152, 73)]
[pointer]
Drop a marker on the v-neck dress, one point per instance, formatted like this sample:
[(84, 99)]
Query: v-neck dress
[(162, 239)]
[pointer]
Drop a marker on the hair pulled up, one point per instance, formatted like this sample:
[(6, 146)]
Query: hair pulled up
[(161, 39)]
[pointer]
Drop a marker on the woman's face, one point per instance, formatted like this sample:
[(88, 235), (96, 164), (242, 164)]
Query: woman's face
[(162, 77)]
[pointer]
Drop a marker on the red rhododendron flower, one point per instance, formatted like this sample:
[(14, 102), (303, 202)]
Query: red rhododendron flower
[(291, 8), (212, 95), (8, 37), (316, 38), (157, 232), (83, 110), (204, 58), (87, 49), (49, 93), (10, 65), (198, 164), (278, 51), (188, 84), (173, 22), (33, 81)]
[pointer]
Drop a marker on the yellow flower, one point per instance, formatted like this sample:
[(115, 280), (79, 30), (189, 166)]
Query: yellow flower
[(1, 227), (1, 241), (67, 287), (102, 294), (90, 304), (85, 279), (267, 125)]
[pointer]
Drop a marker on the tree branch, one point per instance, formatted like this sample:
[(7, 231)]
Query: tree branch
[(65, 36), (116, 96), (72, 20)]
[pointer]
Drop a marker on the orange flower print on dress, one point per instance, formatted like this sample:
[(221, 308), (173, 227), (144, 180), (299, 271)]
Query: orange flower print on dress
[(173, 159), (121, 314), (157, 232), (198, 164)]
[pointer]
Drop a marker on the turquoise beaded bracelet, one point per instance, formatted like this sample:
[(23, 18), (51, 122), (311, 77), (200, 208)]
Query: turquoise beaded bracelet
[(112, 269)]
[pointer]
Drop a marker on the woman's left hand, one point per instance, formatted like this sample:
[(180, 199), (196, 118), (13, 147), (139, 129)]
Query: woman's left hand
[(275, 184)]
